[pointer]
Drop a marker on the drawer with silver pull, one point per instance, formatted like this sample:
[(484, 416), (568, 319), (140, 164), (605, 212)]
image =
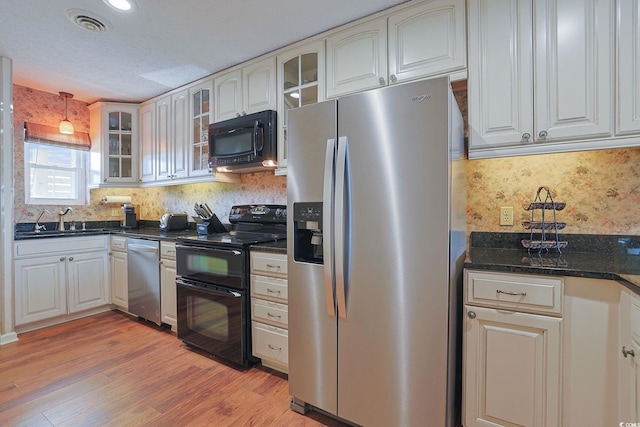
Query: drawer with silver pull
[(118, 243), (269, 264), (167, 250), (514, 292), (270, 288), (270, 342), (270, 312)]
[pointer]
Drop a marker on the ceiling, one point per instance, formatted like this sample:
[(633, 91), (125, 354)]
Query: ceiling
[(159, 46)]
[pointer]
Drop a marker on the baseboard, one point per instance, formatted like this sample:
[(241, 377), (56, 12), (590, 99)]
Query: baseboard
[(7, 338)]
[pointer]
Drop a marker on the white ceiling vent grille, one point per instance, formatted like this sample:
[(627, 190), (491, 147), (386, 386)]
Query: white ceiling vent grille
[(88, 21)]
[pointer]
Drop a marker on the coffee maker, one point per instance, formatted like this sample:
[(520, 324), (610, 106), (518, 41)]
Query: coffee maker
[(307, 233), (129, 220)]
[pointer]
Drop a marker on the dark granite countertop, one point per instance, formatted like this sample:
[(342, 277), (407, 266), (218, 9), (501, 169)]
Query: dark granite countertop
[(280, 246), (598, 257), (146, 229)]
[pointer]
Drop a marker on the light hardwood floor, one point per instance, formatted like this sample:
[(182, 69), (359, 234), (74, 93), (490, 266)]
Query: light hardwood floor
[(111, 369)]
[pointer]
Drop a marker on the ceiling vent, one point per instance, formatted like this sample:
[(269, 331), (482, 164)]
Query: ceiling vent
[(88, 21)]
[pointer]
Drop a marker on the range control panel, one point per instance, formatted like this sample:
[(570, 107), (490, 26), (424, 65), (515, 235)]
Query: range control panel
[(263, 214)]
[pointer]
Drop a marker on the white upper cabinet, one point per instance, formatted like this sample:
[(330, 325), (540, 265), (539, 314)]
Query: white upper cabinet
[(427, 40), (628, 61), (424, 40), (228, 95), (201, 115), (114, 148), (163, 136), (300, 82), (179, 154), (259, 86), (573, 66), (148, 142), (540, 76), (171, 136), (500, 93), (246, 90), (357, 58)]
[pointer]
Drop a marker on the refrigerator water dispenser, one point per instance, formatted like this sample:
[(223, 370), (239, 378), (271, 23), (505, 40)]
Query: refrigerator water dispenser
[(307, 243)]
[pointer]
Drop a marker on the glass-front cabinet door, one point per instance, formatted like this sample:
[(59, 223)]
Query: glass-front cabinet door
[(120, 150), (114, 144), (201, 115), (300, 82)]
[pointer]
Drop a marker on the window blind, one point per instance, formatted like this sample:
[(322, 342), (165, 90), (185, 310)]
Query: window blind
[(49, 135)]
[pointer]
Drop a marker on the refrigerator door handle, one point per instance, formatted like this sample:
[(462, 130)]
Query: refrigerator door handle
[(339, 223), (327, 226)]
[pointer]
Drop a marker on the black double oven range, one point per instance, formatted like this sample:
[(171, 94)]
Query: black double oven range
[(213, 282)]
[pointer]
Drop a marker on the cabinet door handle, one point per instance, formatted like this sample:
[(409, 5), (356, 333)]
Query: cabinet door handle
[(70, 258), (629, 352), (62, 258), (526, 136), (393, 78), (524, 294), (381, 81), (274, 348), (271, 291), (273, 267), (274, 315), (471, 315), (543, 134)]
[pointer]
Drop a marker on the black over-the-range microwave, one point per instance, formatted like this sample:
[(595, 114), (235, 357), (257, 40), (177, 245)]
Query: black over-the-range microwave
[(244, 144)]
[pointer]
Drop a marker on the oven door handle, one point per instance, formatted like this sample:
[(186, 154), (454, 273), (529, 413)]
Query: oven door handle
[(201, 249), (222, 292)]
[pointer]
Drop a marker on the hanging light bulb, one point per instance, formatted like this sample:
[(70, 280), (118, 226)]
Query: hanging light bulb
[(66, 126)]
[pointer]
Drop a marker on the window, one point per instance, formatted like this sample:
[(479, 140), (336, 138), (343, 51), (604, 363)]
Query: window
[(54, 175)]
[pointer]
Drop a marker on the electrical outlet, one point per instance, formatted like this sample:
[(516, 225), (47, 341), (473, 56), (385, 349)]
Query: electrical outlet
[(115, 212), (506, 215)]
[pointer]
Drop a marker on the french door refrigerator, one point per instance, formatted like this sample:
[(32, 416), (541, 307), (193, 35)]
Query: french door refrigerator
[(376, 226)]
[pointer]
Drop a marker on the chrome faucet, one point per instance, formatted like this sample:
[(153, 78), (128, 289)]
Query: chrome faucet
[(37, 227), (62, 214)]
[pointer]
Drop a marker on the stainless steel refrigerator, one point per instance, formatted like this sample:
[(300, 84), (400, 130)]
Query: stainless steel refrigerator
[(376, 226)]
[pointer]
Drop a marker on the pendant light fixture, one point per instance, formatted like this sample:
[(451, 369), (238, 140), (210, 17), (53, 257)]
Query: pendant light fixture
[(66, 126)]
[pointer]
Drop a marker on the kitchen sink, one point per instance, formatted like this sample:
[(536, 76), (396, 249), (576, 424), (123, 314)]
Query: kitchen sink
[(57, 233)]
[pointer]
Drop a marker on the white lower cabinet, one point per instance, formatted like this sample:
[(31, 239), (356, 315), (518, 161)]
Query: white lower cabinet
[(168, 291), (512, 362), (629, 356), (119, 276), (40, 288), (271, 344), (88, 285), (547, 351), (59, 276), (269, 309)]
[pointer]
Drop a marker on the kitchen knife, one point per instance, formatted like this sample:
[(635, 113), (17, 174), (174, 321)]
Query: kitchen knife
[(199, 211), (204, 211)]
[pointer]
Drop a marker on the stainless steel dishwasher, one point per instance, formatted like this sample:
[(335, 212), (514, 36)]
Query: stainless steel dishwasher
[(144, 278)]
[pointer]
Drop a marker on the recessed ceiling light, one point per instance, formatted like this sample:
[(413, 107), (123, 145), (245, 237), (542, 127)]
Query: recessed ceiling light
[(121, 4)]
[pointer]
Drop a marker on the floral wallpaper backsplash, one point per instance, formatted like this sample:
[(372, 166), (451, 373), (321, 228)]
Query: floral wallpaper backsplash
[(601, 189), (151, 203)]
